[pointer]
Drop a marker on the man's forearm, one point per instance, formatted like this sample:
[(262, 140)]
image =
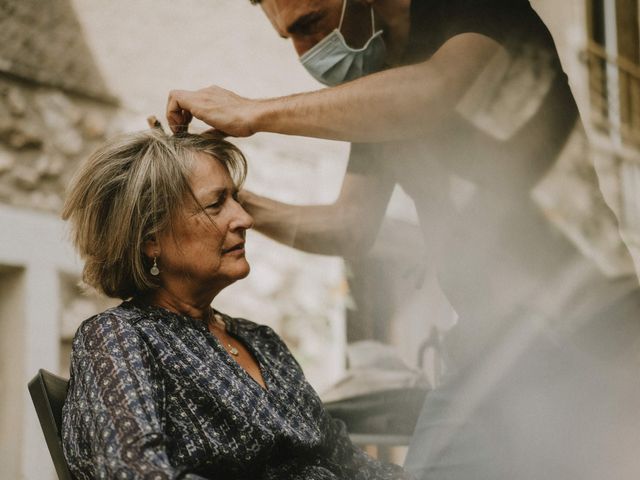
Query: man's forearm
[(339, 113), (311, 228), (395, 104)]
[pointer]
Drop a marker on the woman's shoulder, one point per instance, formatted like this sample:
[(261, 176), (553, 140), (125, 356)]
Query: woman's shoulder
[(243, 325), (262, 337), (119, 319), (239, 325)]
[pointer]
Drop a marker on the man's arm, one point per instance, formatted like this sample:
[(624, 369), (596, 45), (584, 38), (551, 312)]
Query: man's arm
[(347, 227), (395, 104)]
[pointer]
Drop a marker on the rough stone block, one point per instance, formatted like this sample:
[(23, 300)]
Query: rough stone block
[(25, 176), (24, 134), (43, 41), (94, 126), (16, 102), (6, 160)]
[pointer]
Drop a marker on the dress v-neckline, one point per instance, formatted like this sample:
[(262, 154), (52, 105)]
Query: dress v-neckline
[(229, 357), (232, 332)]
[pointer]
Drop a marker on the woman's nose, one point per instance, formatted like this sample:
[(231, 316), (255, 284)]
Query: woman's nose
[(241, 218)]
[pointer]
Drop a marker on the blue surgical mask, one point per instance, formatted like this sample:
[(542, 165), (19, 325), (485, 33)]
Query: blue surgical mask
[(332, 62)]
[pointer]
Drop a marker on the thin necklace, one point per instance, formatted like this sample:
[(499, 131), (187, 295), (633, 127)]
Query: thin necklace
[(230, 348)]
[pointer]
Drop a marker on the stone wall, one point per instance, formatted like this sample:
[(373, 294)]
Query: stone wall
[(54, 104), (44, 132), (42, 42)]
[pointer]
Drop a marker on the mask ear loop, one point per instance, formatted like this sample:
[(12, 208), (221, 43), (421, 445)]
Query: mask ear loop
[(373, 23), (344, 9)]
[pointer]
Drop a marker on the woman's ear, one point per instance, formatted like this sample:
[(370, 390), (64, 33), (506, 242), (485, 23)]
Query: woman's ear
[(151, 247)]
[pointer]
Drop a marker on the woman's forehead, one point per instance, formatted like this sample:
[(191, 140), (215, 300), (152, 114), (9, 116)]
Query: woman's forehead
[(208, 175)]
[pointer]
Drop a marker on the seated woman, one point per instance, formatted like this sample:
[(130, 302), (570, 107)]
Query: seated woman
[(164, 386)]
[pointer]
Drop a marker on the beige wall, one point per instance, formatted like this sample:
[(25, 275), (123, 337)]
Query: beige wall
[(12, 339), (33, 255)]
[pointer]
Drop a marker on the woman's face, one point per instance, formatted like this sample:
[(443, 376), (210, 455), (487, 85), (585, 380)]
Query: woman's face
[(206, 251)]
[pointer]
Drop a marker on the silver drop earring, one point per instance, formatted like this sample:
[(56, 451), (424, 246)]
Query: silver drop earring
[(155, 271)]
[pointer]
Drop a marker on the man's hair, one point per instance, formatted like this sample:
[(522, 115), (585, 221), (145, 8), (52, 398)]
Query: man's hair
[(128, 191), (255, 2)]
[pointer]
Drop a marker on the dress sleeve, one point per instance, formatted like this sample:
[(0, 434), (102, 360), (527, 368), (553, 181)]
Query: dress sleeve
[(340, 458), (113, 415)]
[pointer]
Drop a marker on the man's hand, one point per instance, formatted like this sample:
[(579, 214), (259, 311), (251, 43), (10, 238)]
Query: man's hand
[(221, 109)]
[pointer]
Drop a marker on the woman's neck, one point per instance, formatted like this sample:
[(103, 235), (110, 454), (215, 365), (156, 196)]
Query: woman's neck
[(194, 306)]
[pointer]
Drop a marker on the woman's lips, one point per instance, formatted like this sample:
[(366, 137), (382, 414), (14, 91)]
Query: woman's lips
[(238, 248)]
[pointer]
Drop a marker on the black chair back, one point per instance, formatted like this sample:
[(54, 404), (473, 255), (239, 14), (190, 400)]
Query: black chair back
[(48, 392)]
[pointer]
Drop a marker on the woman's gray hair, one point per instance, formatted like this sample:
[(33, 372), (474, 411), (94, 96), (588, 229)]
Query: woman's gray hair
[(128, 191)]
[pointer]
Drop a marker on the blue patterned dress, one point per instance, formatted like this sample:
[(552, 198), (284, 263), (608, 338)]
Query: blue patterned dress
[(154, 395)]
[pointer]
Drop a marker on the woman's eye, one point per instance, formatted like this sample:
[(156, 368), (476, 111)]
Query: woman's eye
[(218, 203)]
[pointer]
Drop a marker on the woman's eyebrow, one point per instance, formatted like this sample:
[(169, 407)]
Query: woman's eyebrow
[(216, 191), (208, 195)]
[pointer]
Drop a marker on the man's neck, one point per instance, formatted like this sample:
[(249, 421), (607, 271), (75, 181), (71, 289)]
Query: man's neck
[(394, 17)]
